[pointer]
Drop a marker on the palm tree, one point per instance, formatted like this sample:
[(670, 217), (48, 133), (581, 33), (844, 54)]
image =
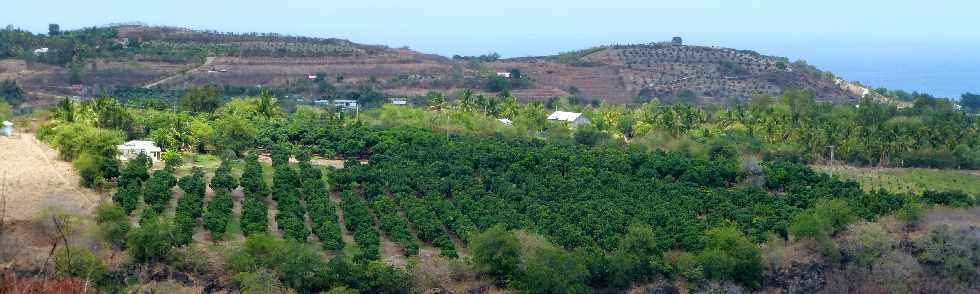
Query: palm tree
[(436, 101), (465, 102)]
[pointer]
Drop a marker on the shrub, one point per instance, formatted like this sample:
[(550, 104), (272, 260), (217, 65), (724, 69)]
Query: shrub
[(172, 159), (497, 252), (825, 218), (955, 199), (218, 213), (254, 216), (136, 171), (151, 242), (223, 178), (552, 270), (260, 281), (866, 243), (299, 265), (80, 263), (394, 225), (156, 191), (127, 197), (952, 253), (95, 170), (252, 178), (689, 267), (730, 255), (113, 224)]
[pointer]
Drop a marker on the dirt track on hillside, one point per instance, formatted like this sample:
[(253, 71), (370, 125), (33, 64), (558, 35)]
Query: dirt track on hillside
[(207, 62), (34, 177)]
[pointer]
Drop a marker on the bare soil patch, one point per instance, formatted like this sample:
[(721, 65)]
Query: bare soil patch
[(33, 175)]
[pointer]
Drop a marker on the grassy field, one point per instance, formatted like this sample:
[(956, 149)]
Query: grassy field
[(913, 180)]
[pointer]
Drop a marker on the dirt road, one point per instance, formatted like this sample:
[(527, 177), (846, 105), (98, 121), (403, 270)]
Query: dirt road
[(207, 62), (34, 177)]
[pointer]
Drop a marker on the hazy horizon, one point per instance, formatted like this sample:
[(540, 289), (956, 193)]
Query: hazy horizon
[(909, 45)]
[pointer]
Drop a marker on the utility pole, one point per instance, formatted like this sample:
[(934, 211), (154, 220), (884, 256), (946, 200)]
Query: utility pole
[(832, 159)]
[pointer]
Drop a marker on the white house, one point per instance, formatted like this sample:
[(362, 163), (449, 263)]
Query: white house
[(573, 118), (505, 121), (8, 129), (40, 51), (131, 149), (503, 74), (399, 101), (345, 104)]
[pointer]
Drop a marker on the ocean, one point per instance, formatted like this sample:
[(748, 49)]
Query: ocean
[(942, 70)]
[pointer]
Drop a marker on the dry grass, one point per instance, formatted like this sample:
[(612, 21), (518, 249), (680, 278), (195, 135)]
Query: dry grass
[(33, 175), (914, 180)]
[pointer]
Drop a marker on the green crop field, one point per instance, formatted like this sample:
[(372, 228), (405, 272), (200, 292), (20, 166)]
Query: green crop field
[(913, 180)]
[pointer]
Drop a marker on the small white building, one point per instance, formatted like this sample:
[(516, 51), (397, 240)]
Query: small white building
[(40, 51), (505, 121), (573, 118), (345, 104), (131, 149), (8, 129), (503, 74), (399, 101)]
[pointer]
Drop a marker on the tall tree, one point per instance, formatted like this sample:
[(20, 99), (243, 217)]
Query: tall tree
[(201, 99), (11, 92), (54, 29)]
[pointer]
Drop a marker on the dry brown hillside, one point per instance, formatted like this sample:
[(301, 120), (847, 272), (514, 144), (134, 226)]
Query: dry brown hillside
[(617, 74)]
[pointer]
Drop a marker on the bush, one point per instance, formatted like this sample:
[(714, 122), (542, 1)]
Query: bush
[(825, 218), (497, 252), (128, 197), (730, 255), (254, 216), (552, 270), (218, 213), (955, 199), (361, 224), (689, 267), (95, 170), (637, 256), (151, 242), (223, 178), (394, 225), (172, 159), (952, 253), (299, 265), (80, 263), (866, 243), (252, 178), (156, 191), (136, 171), (113, 224), (261, 281)]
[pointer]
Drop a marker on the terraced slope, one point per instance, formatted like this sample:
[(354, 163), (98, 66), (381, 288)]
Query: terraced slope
[(162, 57)]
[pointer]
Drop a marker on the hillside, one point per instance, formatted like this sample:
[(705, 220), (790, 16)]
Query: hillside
[(137, 55)]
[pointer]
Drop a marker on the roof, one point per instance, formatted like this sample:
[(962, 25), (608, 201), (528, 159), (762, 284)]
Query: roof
[(505, 121), (564, 116), (399, 102), (141, 145)]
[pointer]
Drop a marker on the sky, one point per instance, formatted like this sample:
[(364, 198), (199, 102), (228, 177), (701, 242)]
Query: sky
[(919, 45)]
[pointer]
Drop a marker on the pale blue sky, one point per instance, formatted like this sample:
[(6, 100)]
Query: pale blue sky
[(837, 35)]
